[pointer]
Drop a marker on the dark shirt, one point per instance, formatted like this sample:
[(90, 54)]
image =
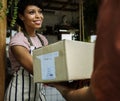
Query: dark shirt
[(105, 80)]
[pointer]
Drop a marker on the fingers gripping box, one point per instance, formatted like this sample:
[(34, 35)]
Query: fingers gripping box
[(63, 61)]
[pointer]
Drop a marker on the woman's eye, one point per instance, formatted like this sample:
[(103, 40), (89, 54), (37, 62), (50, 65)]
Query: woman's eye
[(31, 12), (40, 11)]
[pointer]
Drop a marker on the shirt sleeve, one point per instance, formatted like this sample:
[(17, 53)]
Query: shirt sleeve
[(105, 79), (19, 39)]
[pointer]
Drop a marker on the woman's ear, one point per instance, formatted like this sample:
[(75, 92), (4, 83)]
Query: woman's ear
[(21, 17)]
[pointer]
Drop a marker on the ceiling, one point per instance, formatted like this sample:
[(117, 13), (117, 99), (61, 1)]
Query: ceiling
[(62, 5)]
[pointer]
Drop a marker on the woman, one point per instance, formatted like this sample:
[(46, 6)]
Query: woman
[(22, 87)]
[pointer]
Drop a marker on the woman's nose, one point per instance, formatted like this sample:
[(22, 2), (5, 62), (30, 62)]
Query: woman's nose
[(39, 15)]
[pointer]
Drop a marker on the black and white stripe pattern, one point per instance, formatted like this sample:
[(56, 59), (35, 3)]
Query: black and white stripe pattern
[(22, 88)]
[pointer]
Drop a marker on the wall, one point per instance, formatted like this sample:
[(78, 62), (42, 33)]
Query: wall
[(52, 18)]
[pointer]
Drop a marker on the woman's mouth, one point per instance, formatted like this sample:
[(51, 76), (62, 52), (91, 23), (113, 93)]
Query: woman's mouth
[(38, 22)]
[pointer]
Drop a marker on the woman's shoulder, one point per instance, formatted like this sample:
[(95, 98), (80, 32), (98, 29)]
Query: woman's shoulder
[(41, 35), (18, 35), (19, 39), (43, 38)]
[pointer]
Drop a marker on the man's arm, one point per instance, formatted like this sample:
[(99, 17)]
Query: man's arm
[(83, 94)]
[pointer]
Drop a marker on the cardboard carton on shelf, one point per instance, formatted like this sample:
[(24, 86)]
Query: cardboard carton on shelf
[(64, 60)]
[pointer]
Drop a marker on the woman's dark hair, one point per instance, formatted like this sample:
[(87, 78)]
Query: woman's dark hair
[(22, 4)]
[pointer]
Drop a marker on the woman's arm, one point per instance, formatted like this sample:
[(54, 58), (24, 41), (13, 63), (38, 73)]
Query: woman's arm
[(23, 56)]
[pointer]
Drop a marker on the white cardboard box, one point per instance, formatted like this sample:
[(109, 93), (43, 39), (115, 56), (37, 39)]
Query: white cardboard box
[(63, 61)]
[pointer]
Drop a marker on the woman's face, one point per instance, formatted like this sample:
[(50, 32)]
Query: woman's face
[(32, 17)]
